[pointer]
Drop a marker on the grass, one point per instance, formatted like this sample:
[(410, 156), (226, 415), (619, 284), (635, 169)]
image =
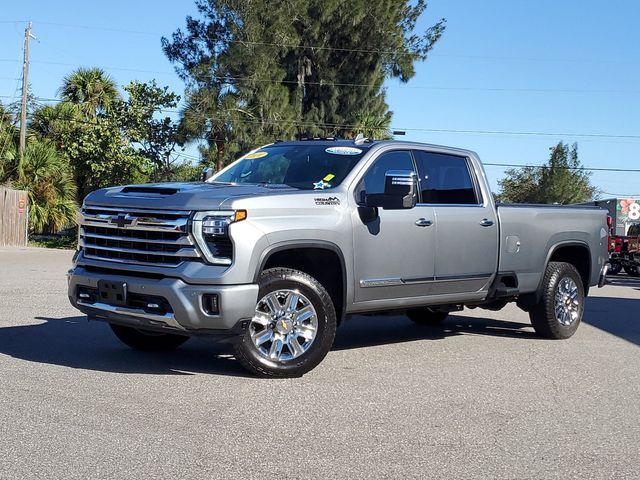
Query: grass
[(67, 242)]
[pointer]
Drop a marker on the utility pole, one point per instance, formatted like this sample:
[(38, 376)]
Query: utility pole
[(25, 83)]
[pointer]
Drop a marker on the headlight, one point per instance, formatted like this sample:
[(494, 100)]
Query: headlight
[(211, 232)]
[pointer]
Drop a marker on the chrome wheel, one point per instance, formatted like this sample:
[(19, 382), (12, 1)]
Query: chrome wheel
[(567, 302), (284, 325)]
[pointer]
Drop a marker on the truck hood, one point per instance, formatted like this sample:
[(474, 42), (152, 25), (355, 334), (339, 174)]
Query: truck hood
[(181, 196)]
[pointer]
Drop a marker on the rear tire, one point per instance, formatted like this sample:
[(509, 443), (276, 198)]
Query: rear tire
[(147, 340), (426, 316), (558, 313), (632, 271), (293, 326)]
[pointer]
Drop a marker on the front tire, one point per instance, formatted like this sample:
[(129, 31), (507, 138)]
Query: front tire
[(559, 311), (147, 340), (293, 326)]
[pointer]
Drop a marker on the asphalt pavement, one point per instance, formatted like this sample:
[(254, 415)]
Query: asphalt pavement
[(481, 397)]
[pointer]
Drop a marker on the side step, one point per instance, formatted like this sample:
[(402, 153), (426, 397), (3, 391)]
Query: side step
[(503, 292)]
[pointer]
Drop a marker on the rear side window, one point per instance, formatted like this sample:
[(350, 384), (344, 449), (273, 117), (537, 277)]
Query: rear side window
[(445, 179)]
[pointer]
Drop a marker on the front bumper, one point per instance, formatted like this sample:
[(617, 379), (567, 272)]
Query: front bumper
[(186, 314)]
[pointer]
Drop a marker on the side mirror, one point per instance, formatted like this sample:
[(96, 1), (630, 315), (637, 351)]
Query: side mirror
[(207, 173), (400, 191)]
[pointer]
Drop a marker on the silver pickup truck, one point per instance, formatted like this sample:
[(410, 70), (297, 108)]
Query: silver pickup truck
[(273, 252)]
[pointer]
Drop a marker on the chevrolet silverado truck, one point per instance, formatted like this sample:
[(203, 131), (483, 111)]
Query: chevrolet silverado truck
[(273, 252)]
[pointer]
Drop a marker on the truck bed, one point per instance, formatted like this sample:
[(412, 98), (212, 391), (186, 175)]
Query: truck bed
[(529, 234)]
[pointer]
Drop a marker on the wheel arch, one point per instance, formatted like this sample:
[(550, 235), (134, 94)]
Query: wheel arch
[(300, 255)]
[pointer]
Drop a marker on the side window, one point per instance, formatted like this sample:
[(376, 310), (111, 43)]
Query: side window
[(374, 178), (445, 179)]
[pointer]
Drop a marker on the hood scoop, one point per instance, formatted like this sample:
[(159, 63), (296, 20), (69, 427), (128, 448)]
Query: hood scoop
[(148, 192)]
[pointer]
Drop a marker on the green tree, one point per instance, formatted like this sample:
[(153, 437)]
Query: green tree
[(561, 180), (47, 179), (90, 88), (210, 115), (156, 138), (109, 140), (98, 152), (296, 67)]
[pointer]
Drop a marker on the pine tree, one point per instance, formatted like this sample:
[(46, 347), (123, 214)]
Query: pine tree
[(313, 67), (562, 180)]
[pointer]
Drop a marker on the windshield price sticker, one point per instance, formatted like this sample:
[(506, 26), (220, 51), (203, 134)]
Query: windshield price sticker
[(343, 151), (254, 155)]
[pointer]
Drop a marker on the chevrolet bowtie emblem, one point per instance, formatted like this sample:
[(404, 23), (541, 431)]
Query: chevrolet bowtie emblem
[(123, 220)]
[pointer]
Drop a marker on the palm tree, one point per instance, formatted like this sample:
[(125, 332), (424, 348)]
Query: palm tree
[(373, 126), (211, 113), (91, 88), (46, 177)]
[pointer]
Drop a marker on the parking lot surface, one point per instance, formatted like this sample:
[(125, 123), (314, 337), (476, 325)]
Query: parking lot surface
[(481, 397)]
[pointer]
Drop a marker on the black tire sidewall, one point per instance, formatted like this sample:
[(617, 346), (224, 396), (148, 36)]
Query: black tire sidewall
[(543, 317), (281, 279)]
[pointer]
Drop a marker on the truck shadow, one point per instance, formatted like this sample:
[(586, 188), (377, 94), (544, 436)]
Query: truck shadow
[(624, 281), (367, 331), (76, 343), (617, 316)]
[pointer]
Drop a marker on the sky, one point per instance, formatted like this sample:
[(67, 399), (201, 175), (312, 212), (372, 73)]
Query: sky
[(545, 71)]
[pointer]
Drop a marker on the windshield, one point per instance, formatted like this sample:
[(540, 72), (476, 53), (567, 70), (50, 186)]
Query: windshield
[(307, 167)]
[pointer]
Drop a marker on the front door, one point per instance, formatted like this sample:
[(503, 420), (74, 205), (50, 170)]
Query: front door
[(394, 254), (466, 224)]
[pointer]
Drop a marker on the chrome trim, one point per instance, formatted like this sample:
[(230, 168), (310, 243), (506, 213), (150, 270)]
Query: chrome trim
[(381, 282), (167, 318), (137, 221), (128, 262), (137, 210), (395, 282), (423, 222), (183, 252), (475, 205), (140, 223), (180, 241)]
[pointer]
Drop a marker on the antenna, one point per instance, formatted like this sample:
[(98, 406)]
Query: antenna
[(360, 139)]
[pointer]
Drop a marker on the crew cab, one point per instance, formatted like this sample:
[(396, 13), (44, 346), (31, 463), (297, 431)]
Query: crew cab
[(273, 252)]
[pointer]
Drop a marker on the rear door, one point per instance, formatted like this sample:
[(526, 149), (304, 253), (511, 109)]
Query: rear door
[(466, 223)]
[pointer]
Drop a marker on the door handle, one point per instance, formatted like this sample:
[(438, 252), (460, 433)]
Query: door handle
[(485, 222), (423, 222)]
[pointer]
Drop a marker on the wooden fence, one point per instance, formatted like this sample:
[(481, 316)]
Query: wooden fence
[(14, 216)]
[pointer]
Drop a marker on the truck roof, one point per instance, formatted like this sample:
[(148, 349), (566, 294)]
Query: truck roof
[(367, 144)]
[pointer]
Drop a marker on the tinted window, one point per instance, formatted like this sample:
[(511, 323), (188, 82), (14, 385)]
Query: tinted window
[(634, 230), (398, 160), (445, 179)]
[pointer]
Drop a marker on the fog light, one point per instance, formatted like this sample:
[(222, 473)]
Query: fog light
[(210, 304)]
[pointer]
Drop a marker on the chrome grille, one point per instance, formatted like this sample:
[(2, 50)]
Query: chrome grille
[(138, 236)]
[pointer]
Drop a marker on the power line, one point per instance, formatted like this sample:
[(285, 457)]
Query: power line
[(414, 129), (234, 79), (321, 47), (510, 165)]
